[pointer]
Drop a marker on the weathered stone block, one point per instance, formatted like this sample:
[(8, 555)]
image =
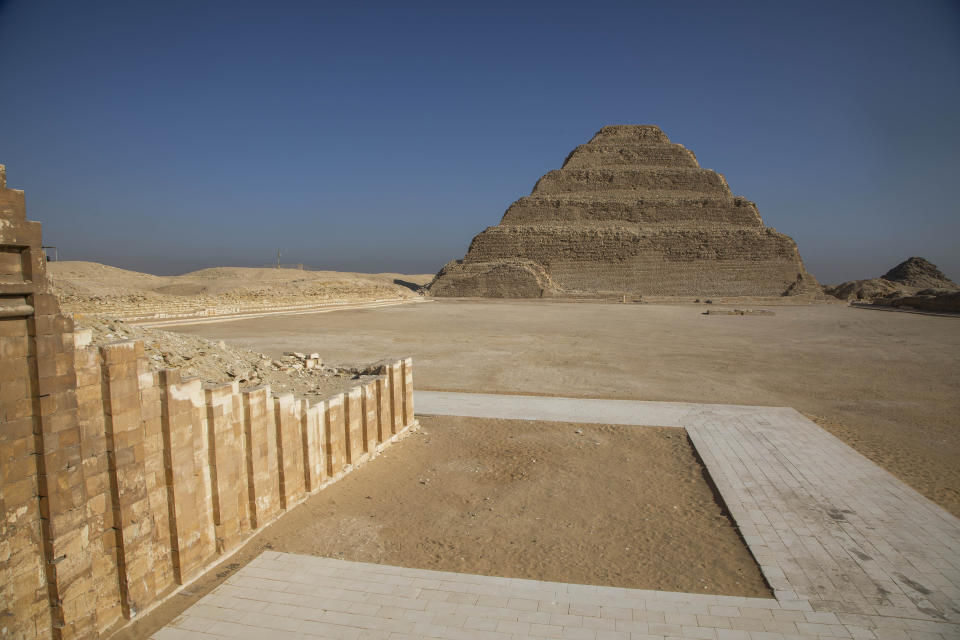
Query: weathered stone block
[(353, 429), (261, 444), (289, 450), (395, 380), (385, 412), (335, 431), (371, 417)]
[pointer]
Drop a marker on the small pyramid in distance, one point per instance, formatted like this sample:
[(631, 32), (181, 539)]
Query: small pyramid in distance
[(629, 213), (919, 272)]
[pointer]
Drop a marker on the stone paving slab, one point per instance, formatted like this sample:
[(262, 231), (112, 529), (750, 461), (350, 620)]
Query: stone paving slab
[(850, 551)]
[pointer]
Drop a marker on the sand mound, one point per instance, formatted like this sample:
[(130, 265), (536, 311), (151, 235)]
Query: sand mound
[(90, 287), (95, 279)]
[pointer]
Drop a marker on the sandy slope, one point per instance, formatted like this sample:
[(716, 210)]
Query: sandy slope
[(77, 281)]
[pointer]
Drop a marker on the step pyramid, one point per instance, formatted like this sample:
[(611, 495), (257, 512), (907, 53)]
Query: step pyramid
[(629, 213)]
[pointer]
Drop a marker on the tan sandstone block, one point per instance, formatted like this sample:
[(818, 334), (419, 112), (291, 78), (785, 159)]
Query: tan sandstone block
[(353, 429)]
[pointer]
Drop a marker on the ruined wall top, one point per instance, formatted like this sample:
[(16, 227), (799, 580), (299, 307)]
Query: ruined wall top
[(22, 261), (630, 133)]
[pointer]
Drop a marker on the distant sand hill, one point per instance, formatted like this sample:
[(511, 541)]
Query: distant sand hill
[(629, 213), (97, 288)]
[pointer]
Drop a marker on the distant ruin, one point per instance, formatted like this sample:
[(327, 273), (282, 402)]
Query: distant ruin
[(914, 283), (629, 213)]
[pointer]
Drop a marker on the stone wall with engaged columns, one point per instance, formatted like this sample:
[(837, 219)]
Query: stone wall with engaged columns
[(171, 474), (118, 483)]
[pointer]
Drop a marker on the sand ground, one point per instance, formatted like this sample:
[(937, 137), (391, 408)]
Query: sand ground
[(888, 384), (588, 504)]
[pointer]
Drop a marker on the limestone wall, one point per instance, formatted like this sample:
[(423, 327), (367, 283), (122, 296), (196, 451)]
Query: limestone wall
[(119, 483), (158, 477)]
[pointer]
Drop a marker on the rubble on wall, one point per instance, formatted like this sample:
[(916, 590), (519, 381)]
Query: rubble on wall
[(216, 361)]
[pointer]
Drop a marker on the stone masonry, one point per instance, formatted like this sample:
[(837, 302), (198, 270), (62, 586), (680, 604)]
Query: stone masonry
[(629, 213), (118, 483)]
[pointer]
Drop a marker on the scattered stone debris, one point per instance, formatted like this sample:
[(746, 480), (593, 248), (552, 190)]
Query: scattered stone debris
[(304, 375), (936, 300), (738, 312)]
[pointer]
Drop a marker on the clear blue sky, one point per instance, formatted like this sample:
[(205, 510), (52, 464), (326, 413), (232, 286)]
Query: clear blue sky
[(170, 136)]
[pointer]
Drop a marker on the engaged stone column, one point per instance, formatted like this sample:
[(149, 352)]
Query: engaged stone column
[(335, 434), (371, 417), (311, 425), (228, 472), (407, 392), (155, 475), (354, 425), (261, 450), (101, 539), (132, 513), (289, 450), (188, 475), (395, 377), (385, 419)]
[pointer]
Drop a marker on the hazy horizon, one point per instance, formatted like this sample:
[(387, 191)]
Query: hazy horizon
[(382, 138)]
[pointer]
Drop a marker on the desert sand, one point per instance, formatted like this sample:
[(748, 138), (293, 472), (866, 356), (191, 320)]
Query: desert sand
[(588, 504), (91, 287), (887, 384)]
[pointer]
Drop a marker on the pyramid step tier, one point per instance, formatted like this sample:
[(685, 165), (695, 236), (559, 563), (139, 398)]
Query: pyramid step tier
[(593, 156), (640, 180), (620, 134), (652, 262), (687, 212)]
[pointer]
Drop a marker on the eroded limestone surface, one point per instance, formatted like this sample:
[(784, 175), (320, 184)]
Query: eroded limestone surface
[(629, 213)]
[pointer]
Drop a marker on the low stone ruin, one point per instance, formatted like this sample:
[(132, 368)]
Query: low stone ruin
[(915, 283)]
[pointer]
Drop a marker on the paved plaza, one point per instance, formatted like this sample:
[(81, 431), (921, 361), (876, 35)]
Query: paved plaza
[(849, 550)]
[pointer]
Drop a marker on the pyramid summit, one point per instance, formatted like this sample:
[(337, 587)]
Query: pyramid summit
[(629, 213)]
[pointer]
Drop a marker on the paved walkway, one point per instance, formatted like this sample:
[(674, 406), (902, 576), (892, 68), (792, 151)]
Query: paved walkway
[(849, 550), (174, 320)]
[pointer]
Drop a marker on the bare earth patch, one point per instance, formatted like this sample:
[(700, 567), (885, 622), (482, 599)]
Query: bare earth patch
[(589, 504)]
